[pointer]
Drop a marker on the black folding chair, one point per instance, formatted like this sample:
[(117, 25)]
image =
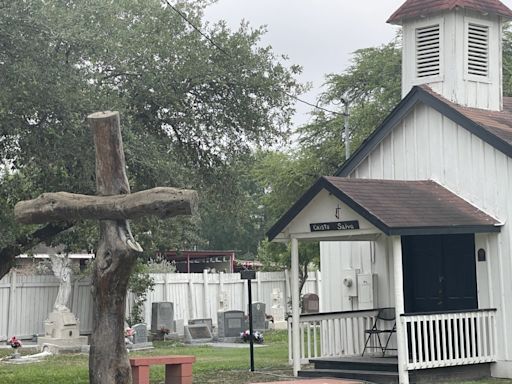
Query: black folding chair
[(385, 315)]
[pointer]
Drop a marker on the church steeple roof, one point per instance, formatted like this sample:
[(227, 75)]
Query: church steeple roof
[(416, 8)]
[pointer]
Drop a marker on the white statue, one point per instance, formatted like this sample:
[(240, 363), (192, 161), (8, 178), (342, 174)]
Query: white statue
[(61, 269)]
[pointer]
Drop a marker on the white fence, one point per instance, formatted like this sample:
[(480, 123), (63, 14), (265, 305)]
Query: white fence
[(448, 339), (333, 334), (197, 295), (26, 301)]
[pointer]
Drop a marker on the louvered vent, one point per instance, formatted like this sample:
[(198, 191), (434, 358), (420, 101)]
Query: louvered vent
[(428, 61), (478, 50)]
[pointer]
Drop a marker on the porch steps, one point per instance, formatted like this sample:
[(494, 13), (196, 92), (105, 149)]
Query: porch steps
[(370, 369)]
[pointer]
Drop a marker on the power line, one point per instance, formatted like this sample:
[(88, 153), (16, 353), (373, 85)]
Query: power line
[(184, 17), (212, 42)]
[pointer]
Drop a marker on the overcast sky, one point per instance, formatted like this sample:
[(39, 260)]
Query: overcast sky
[(319, 35)]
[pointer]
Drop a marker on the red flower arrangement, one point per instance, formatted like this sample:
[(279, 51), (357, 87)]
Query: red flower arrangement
[(14, 342)]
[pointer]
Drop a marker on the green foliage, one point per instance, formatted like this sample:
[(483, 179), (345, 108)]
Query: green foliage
[(189, 111), (140, 284), (507, 61), (372, 85)]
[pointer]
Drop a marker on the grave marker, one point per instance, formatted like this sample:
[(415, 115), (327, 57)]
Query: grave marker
[(231, 323), (198, 333), (162, 316), (258, 316), (310, 303), (140, 338), (207, 322)]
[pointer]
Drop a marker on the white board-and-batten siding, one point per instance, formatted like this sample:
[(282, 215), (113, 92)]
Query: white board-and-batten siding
[(428, 145)]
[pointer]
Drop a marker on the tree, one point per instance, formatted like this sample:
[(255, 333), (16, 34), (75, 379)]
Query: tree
[(282, 179), (372, 85), (189, 108)]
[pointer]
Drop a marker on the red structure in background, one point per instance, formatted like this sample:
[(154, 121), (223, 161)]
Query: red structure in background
[(216, 261)]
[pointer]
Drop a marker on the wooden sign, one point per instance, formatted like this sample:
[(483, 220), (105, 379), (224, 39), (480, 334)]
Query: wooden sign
[(247, 274), (334, 226)]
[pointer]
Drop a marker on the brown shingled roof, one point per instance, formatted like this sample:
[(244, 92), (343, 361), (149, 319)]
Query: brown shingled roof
[(498, 123), (401, 205), (398, 207), (415, 8)]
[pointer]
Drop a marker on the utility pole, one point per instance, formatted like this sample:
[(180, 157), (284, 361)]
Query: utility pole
[(346, 115)]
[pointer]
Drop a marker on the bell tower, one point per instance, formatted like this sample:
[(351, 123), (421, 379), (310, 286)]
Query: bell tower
[(455, 47)]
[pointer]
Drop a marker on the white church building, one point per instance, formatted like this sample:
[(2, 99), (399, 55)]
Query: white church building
[(419, 218)]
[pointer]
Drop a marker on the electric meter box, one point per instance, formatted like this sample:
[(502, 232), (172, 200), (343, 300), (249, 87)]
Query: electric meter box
[(349, 281), (367, 289)]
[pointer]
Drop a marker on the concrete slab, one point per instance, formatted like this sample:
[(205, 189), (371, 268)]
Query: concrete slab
[(316, 381), (227, 345)]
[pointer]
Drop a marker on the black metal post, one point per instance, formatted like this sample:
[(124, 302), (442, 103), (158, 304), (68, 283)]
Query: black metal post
[(251, 336)]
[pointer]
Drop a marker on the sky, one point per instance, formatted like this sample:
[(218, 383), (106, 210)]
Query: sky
[(319, 35)]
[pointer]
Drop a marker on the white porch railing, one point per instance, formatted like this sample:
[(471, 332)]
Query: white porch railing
[(447, 339), (332, 334)]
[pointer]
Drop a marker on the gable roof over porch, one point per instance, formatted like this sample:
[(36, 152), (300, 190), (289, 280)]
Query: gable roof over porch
[(396, 207)]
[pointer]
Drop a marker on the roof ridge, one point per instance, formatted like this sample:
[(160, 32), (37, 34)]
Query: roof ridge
[(416, 8)]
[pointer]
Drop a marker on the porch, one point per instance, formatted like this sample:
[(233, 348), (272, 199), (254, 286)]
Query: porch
[(334, 343), (426, 264)]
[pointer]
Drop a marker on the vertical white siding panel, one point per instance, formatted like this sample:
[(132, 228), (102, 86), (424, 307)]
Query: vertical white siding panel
[(482, 271), (422, 137), (450, 152), (490, 202), (363, 171), (387, 158), (464, 173), (399, 157), (436, 146), (409, 155)]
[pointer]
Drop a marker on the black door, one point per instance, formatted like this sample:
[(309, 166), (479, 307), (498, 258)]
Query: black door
[(439, 273)]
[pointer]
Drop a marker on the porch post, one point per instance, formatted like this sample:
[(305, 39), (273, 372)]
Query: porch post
[(401, 340), (295, 307)]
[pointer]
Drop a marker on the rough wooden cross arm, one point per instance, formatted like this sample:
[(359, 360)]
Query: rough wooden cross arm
[(161, 202)]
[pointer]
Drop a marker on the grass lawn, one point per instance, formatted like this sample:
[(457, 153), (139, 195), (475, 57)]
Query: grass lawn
[(213, 365)]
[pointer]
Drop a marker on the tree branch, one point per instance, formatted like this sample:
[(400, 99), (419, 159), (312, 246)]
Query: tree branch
[(161, 202), (26, 242)]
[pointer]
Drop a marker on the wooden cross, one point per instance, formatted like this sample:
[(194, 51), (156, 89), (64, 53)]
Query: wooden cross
[(117, 249)]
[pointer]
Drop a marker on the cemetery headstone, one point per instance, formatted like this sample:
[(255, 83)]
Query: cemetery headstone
[(198, 333), (258, 316), (140, 338), (179, 326), (141, 333), (207, 322), (162, 317), (231, 324), (310, 303)]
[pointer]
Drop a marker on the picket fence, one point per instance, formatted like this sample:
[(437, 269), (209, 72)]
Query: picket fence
[(26, 300)]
